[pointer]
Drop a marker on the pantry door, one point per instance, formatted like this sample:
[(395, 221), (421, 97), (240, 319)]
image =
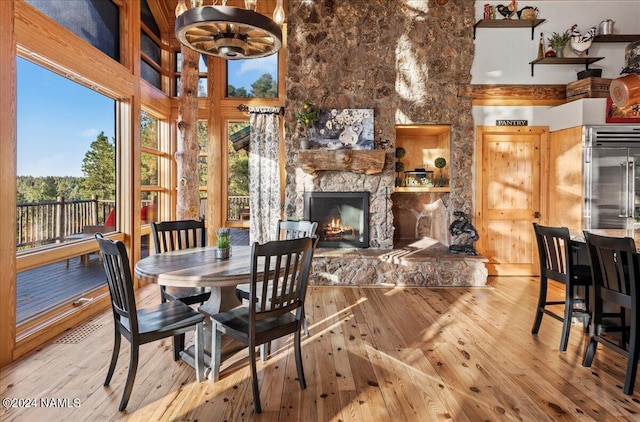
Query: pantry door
[(509, 183)]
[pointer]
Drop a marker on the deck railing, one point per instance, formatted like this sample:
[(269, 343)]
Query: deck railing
[(47, 222), (237, 206), (43, 223)]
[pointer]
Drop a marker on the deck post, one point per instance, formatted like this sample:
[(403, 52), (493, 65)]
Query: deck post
[(59, 219)]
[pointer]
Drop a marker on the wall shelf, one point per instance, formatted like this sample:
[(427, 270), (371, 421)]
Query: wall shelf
[(617, 38), (354, 161), (507, 23), (444, 189), (565, 60)]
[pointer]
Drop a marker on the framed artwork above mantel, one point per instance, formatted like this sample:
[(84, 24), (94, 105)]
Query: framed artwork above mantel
[(343, 128)]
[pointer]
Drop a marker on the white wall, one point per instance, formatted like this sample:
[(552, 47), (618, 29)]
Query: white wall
[(502, 56)]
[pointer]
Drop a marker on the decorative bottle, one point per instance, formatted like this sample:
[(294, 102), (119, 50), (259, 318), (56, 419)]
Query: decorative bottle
[(541, 46)]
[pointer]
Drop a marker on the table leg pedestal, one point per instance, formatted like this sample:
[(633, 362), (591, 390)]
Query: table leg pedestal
[(221, 299)]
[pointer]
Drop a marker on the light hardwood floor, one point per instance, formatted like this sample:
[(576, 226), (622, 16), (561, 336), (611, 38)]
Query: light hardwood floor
[(374, 354)]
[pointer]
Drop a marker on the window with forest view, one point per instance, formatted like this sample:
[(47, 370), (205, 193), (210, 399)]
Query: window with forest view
[(151, 160), (66, 187), (253, 78), (238, 171), (66, 167)]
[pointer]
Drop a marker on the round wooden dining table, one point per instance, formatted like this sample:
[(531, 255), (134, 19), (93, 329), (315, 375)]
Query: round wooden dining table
[(198, 267)]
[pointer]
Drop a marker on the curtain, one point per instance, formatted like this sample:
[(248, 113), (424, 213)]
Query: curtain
[(264, 173)]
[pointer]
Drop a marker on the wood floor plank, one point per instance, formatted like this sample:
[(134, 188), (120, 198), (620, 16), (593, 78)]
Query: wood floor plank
[(374, 354)]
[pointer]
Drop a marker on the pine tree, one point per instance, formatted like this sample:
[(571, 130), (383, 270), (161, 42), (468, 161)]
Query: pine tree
[(99, 169)]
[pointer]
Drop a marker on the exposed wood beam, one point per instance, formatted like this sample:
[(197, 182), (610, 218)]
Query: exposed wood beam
[(514, 95)]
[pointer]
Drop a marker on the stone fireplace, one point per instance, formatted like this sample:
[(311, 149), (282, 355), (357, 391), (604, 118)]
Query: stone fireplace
[(342, 217), (407, 63)]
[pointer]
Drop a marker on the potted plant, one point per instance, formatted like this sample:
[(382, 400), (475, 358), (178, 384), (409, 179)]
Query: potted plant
[(558, 41), (400, 152), (307, 117), (439, 163), (224, 238)]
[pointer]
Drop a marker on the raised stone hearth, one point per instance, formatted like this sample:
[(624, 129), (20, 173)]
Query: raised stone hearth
[(422, 263)]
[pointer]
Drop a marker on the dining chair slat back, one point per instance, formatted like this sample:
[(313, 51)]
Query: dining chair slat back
[(614, 263), (278, 284), (178, 235), (145, 325), (286, 230)]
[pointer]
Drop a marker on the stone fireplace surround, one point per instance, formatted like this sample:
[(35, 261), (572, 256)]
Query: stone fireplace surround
[(391, 60)]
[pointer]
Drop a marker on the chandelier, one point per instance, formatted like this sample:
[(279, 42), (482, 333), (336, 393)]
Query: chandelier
[(229, 32)]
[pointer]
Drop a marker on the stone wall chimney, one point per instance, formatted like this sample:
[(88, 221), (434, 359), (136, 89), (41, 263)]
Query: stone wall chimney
[(404, 59)]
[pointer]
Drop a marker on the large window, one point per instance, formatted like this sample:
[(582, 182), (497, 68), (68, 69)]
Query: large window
[(66, 186), (66, 170), (153, 162)]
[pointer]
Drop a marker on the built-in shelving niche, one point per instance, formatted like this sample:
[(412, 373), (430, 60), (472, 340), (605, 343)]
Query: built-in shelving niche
[(423, 144)]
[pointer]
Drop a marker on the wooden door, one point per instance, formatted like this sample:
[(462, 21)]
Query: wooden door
[(509, 174)]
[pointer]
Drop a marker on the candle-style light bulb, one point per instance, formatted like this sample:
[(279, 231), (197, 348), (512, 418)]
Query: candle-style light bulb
[(180, 8), (250, 4), (278, 13)]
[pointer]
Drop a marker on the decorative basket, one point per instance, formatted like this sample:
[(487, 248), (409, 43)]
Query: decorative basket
[(529, 14)]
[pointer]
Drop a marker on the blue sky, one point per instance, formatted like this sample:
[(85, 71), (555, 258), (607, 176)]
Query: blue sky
[(58, 119), (242, 73)]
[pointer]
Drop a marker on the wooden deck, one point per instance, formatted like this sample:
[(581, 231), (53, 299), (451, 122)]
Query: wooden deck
[(374, 354), (45, 287)]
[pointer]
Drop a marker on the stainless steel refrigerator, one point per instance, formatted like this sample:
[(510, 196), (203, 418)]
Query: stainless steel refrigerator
[(612, 176)]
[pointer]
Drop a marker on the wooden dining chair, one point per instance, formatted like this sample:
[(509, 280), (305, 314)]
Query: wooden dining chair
[(286, 229), (177, 235), (556, 256), (278, 285), (140, 326), (616, 274)]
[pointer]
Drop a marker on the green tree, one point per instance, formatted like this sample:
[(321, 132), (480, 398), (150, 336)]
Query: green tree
[(238, 182), (99, 169), (149, 139), (233, 92), (264, 87)]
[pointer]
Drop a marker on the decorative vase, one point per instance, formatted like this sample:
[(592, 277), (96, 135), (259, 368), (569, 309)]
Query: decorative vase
[(222, 253)]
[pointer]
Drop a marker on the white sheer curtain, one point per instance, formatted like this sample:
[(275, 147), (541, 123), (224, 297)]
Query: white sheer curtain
[(264, 173)]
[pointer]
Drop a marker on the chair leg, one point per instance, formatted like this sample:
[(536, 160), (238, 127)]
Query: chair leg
[(133, 368), (114, 357), (632, 359), (590, 351), (542, 298), (566, 324), (199, 343), (254, 379), (216, 344), (298, 352)]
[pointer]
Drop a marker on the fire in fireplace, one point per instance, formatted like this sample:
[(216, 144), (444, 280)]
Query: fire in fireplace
[(342, 217)]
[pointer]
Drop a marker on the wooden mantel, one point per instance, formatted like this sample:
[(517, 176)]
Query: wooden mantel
[(355, 161)]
